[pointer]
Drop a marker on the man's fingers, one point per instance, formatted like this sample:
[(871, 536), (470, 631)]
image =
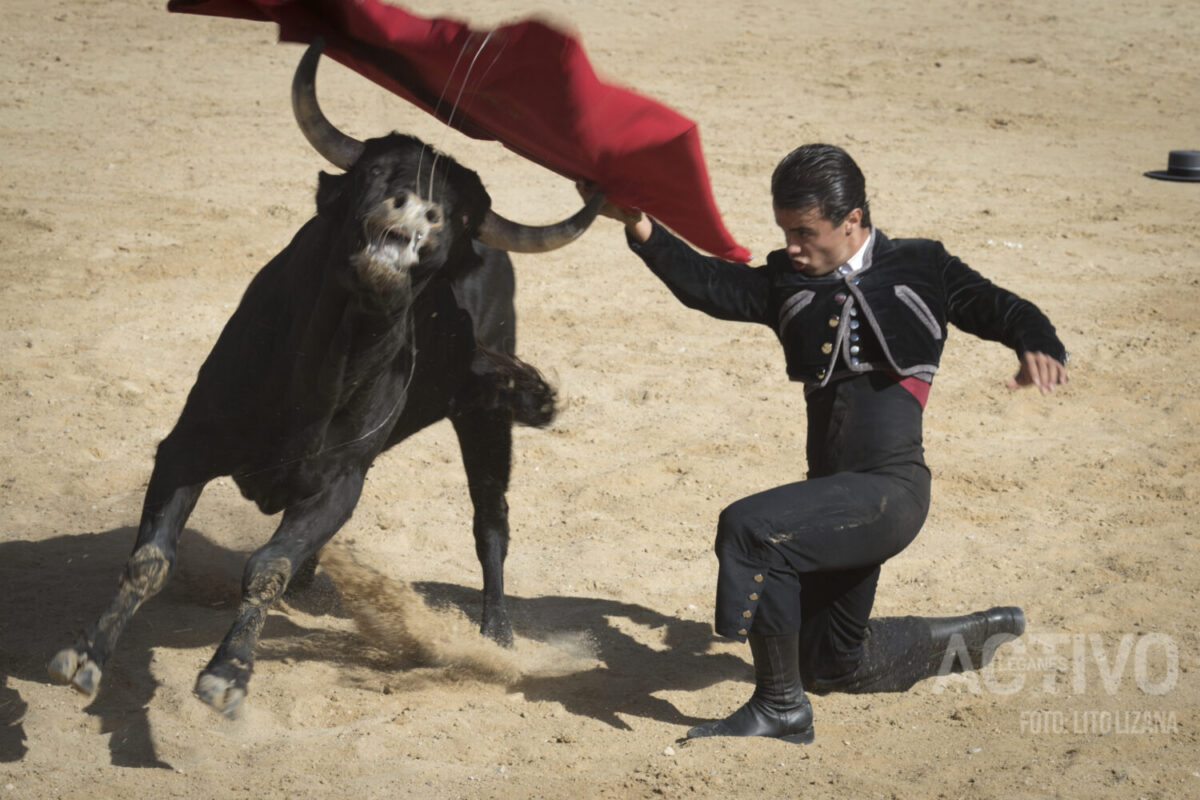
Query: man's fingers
[(1040, 370), (1053, 373), (623, 215), (1043, 374), (1032, 370)]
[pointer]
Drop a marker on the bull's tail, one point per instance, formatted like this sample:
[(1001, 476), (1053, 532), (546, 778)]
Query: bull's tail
[(506, 384)]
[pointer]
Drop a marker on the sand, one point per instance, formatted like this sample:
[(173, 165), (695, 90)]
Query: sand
[(151, 166)]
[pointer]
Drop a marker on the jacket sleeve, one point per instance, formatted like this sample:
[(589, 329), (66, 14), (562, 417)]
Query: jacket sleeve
[(719, 288), (979, 307)]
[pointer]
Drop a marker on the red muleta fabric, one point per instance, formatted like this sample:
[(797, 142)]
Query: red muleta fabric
[(526, 85)]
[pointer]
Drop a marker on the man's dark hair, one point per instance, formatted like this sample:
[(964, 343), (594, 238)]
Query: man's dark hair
[(824, 176)]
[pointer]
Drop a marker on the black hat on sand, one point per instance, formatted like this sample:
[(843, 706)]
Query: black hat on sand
[(1182, 165)]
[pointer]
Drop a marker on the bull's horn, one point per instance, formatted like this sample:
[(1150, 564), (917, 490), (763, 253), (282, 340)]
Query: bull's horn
[(337, 148), (505, 234)]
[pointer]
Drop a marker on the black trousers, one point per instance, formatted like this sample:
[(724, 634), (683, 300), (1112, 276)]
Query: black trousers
[(805, 556)]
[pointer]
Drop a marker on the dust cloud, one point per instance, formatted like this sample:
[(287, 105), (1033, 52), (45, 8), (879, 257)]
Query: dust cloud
[(397, 621)]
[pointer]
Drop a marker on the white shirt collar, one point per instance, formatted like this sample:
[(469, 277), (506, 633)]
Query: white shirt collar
[(856, 261)]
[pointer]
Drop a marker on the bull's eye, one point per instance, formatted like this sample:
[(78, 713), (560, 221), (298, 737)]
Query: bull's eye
[(433, 215), (375, 171), (399, 201)]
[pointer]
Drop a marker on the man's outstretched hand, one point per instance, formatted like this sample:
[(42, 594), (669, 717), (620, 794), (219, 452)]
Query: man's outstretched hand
[(1040, 370), (637, 223)]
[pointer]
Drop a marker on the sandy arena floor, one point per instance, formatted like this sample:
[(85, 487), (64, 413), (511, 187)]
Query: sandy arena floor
[(151, 166)]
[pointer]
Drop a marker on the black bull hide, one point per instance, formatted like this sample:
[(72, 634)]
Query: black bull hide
[(381, 317)]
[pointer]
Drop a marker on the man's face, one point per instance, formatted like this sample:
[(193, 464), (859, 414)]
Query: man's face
[(814, 244)]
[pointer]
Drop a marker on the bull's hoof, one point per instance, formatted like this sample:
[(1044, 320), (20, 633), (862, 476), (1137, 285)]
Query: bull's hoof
[(71, 666), (499, 631), (64, 665), (87, 679), (221, 694)]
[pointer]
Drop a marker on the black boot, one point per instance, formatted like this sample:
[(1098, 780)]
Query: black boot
[(778, 708), (962, 644)]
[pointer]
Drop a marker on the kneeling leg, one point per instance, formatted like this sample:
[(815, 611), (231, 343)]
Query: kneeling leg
[(844, 651)]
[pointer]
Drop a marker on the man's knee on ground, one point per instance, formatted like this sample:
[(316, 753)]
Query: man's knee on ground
[(823, 672)]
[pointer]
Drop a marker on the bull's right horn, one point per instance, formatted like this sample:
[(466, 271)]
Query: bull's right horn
[(337, 148), (504, 234)]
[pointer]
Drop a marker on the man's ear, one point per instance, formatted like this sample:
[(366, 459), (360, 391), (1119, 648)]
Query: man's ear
[(853, 220), (331, 192)]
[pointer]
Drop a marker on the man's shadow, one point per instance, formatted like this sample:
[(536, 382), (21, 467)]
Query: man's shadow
[(52, 588), (630, 672)]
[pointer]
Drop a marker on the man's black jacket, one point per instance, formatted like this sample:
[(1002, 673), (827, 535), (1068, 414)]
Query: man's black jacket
[(890, 315)]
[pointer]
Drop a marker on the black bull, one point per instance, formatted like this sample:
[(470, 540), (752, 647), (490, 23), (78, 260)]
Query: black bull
[(382, 316)]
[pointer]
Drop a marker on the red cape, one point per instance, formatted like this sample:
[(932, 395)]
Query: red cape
[(526, 85)]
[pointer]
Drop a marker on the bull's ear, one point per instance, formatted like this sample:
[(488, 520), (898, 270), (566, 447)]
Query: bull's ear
[(473, 199), (331, 194)]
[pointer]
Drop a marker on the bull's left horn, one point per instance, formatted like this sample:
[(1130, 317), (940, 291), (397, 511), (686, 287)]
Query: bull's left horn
[(337, 148), (505, 234)]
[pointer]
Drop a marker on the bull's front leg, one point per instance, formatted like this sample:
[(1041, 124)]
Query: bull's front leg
[(485, 438), (165, 510), (305, 528)]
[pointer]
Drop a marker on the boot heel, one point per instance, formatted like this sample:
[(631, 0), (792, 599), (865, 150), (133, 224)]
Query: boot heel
[(805, 736)]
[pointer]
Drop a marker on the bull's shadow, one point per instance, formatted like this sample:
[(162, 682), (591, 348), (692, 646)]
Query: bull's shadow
[(12, 733), (51, 588)]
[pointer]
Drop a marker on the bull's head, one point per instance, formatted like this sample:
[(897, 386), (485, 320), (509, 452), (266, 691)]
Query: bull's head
[(415, 205)]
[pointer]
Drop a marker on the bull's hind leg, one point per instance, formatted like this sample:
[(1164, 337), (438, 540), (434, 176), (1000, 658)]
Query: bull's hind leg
[(305, 528), (485, 438), (164, 512)]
